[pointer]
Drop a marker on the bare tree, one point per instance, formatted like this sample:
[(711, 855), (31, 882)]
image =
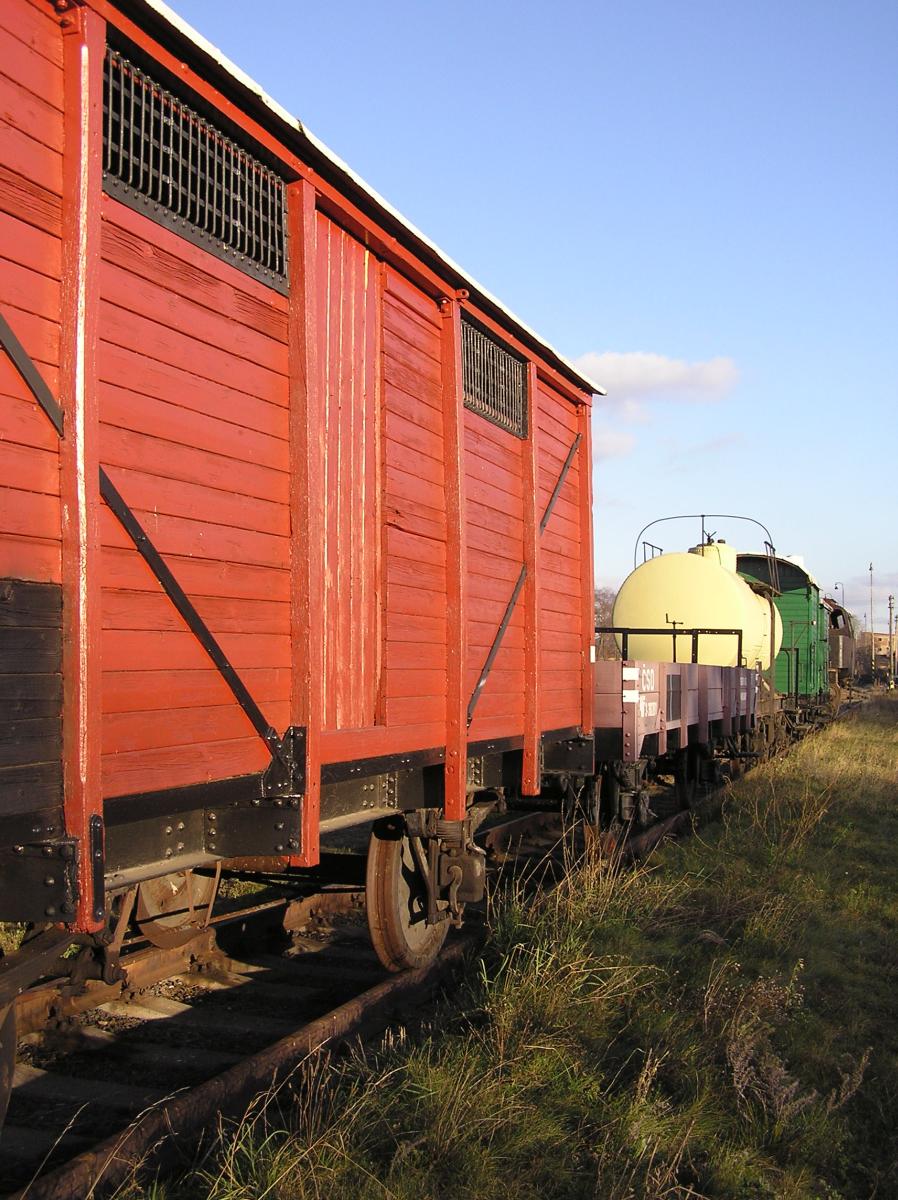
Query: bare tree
[(606, 647)]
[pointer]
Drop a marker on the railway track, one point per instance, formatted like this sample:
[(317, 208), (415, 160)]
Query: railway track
[(115, 1074)]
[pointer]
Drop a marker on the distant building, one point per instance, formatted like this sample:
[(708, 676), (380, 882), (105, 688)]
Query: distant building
[(878, 660)]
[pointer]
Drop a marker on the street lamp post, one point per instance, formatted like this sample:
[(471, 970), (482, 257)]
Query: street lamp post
[(842, 586)]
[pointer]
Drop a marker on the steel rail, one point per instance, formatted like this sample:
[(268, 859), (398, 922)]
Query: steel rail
[(152, 1140)]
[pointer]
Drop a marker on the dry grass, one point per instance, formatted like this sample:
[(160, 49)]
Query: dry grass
[(720, 1023)]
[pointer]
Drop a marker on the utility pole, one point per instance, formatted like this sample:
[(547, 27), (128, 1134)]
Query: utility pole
[(872, 632), (891, 644)]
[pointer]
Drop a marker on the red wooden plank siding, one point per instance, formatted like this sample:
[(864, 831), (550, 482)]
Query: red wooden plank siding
[(530, 777), (495, 539), (457, 579), (31, 140), (414, 513), (347, 278), (307, 505), (193, 432), (84, 45), (561, 565)]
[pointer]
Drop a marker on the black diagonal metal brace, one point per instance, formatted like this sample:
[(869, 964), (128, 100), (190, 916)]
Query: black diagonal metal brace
[(519, 586), (290, 777), (192, 618), (30, 374)]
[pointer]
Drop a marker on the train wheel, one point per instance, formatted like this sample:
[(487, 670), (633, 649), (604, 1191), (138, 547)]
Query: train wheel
[(396, 897), (173, 907), (7, 1055)]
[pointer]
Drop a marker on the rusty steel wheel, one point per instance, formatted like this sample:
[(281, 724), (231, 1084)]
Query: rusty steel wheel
[(7, 1055), (396, 899), (171, 908)]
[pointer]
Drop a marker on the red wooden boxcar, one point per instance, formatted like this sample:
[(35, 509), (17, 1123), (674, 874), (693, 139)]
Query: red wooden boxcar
[(294, 517)]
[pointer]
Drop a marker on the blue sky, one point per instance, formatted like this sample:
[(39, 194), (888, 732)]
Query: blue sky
[(698, 201)]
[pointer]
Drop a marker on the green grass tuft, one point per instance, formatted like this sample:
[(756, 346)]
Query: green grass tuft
[(718, 1023)]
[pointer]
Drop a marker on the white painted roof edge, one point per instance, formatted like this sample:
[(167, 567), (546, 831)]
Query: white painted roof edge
[(187, 31)]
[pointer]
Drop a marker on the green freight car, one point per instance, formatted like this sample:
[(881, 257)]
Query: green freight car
[(802, 665)]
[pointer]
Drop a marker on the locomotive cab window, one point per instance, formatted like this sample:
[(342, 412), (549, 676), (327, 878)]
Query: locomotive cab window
[(163, 159), (494, 379)]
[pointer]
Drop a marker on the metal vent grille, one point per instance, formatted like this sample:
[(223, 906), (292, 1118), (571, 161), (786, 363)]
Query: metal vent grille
[(495, 381), (161, 157)]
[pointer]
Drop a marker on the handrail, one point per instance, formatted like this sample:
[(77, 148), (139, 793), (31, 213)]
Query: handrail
[(626, 630)]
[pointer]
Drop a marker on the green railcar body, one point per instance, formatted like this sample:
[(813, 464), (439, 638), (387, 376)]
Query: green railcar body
[(802, 665)]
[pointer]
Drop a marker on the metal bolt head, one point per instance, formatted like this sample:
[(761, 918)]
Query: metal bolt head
[(50, 881)]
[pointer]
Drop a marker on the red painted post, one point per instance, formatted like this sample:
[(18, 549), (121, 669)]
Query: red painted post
[(84, 46), (587, 570), (530, 779), (306, 505), (456, 767)]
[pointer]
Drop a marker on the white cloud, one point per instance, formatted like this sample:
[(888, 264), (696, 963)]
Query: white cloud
[(635, 377), (610, 443)]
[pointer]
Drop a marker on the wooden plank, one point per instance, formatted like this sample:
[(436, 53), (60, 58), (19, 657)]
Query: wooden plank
[(414, 438), (153, 490), (402, 289), (414, 710), (346, 745), (403, 544), (84, 48), (140, 245), (34, 26), (140, 771), (29, 157), (32, 292), (412, 488), (415, 520), (411, 409), (27, 246), (32, 558), (150, 650), (30, 741), (182, 427), (531, 775), (189, 465), (180, 535), (456, 572), (153, 729), (124, 568), (30, 651), (587, 574), (161, 303), (142, 691), (420, 681), (146, 610), (31, 786), (25, 604), (33, 685), (181, 349), (408, 326), (126, 366), (28, 201), (415, 627), (306, 504), (402, 655), (406, 365), (30, 710), (419, 575)]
